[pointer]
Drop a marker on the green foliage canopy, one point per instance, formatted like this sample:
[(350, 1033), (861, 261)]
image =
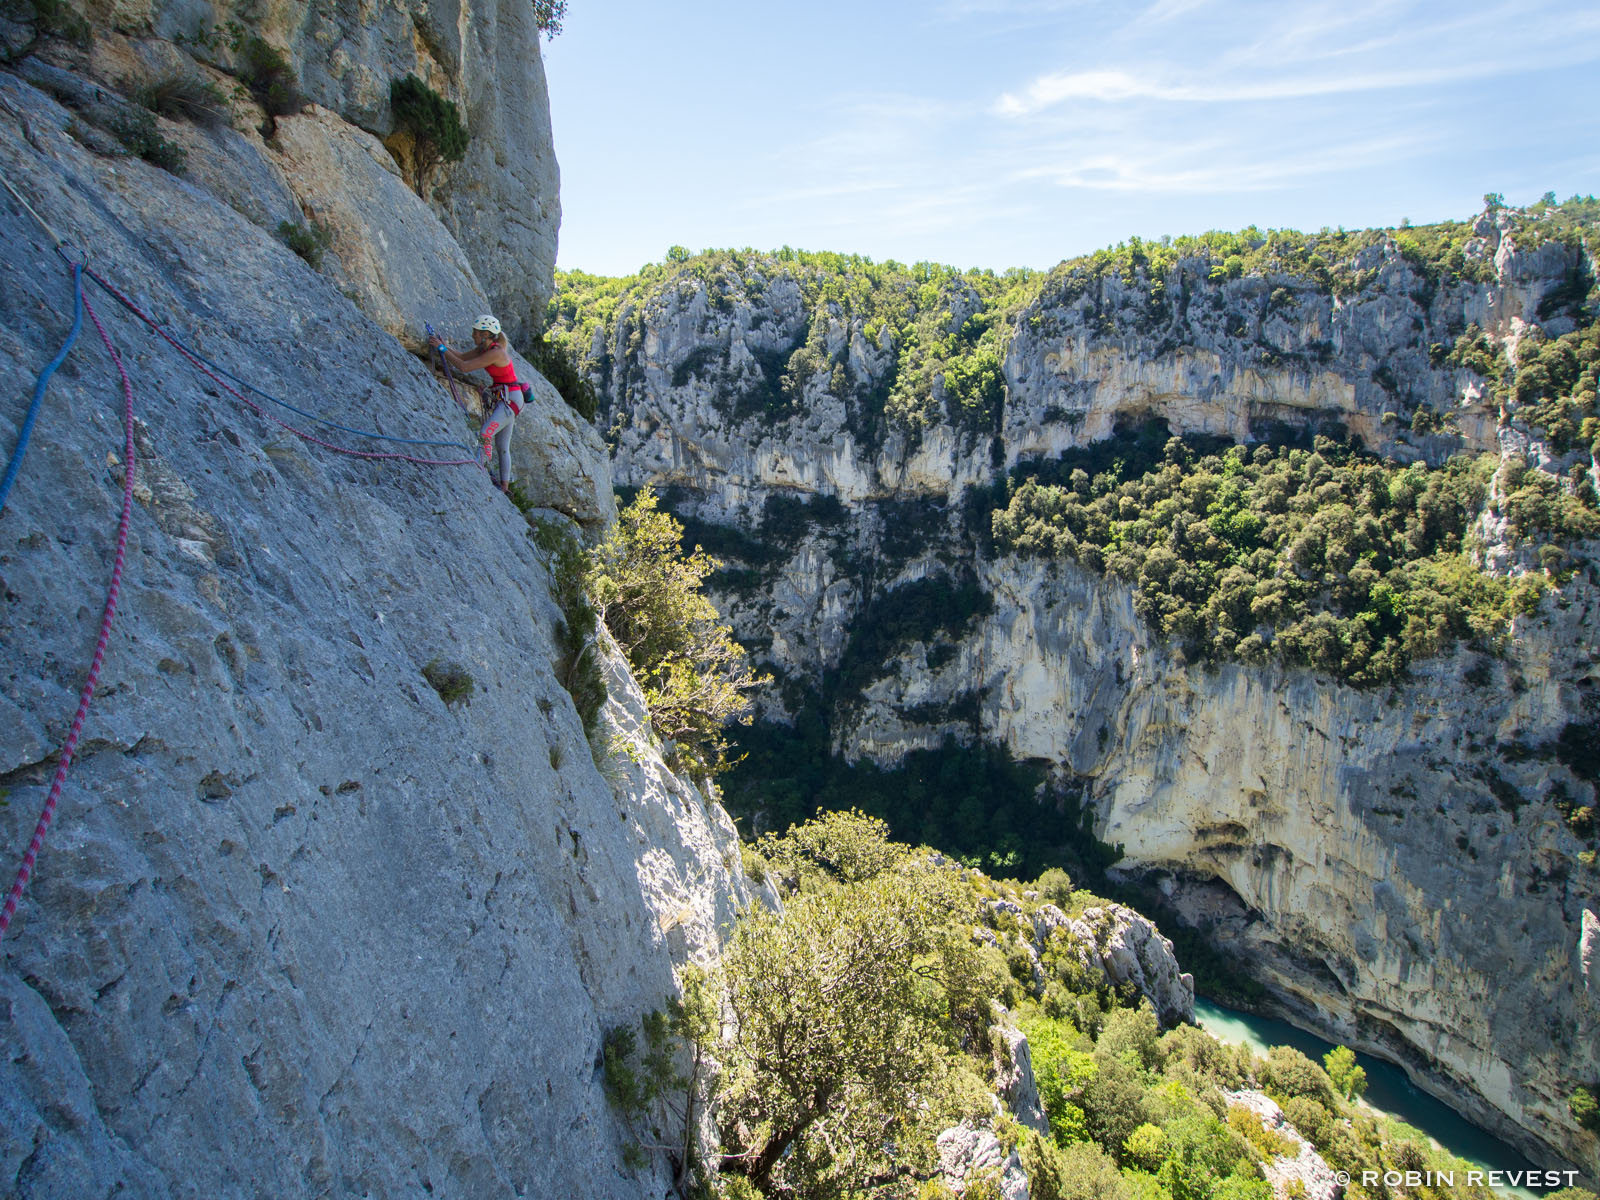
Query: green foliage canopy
[(650, 595)]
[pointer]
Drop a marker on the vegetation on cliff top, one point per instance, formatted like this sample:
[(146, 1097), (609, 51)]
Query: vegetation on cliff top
[(943, 333), (1329, 558), (939, 334), (862, 1022)]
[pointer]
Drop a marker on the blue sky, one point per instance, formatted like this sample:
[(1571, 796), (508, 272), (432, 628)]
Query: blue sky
[(1000, 133)]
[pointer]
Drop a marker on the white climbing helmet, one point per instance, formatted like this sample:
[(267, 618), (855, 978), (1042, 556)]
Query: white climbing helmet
[(488, 324)]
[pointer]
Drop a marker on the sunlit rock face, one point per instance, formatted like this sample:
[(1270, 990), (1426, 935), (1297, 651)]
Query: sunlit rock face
[(501, 202), (1389, 861), (306, 922)]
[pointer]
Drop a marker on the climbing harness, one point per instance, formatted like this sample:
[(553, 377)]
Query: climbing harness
[(109, 614)]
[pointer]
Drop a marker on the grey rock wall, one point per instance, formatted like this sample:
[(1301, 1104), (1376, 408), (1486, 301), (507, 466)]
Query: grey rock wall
[(300, 927), (502, 202)]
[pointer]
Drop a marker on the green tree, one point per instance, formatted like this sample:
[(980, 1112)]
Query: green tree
[(838, 1044), (1585, 1111), (432, 123), (650, 594), (1288, 1073), (548, 15), (1348, 1078)]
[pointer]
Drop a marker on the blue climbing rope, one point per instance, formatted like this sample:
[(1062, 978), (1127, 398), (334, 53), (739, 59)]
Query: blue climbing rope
[(15, 464)]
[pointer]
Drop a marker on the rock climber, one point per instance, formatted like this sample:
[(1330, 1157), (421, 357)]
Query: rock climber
[(502, 398)]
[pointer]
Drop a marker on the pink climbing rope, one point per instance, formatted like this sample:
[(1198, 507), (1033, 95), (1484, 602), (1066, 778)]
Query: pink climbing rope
[(84, 699), (256, 408)]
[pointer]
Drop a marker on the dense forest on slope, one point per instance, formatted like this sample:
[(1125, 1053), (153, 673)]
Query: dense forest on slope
[(1329, 558), (867, 1020)]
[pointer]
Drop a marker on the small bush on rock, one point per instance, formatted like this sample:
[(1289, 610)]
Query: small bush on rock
[(136, 129), (270, 78), (450, 680), (432, 122), (310, 242), (182, 96)]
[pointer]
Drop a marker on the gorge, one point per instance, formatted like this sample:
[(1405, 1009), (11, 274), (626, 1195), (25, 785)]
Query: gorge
[(347, 896), (1396, 861)]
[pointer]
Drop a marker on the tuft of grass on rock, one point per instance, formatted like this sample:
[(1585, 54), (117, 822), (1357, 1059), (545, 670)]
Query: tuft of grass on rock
[(136, 129), (451, 680), (310, 242), (182, 96)]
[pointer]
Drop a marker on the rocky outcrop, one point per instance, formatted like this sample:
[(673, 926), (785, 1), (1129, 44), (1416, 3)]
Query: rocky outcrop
[(1393, 864), (303, 925), (1302, 1174), (501, 203), (1127, 948), (968, 1154), (1014, 1083)]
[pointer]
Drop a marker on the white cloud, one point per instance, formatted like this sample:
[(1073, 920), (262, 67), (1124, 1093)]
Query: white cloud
[(1302, 53), (1214, 168)]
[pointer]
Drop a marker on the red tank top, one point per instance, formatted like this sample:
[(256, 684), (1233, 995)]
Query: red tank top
[(505, 378)]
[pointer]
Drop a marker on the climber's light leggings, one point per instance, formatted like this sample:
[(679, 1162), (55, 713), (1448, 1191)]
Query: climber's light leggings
[(497, 442)]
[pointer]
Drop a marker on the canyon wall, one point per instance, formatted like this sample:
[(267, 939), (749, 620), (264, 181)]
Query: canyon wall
[(1390, 861)]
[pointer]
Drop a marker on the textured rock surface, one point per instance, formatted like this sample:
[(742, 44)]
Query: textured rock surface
[(300, 928), (1305, 1173), (1014, 1080), (967, 1154), (501, 202), (1390, 863), (1126, 946)]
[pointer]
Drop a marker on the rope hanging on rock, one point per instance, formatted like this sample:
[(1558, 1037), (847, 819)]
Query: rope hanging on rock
[(107, 617), (15, 465), (81, 304), (200, 364), (215, 372), (449, 376)]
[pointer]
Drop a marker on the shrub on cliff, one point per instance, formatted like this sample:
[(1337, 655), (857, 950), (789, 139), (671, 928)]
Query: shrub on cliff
[(557, 362), (548, 15), (432, 123), (578, 668), (182, 95), (269, 77), (650, 594), (136, 129), (309, 241)]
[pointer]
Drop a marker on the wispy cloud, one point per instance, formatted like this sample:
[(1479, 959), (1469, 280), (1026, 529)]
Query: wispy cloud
[(1112, 86), (1214, 168), (954, 10), (1301, 53)]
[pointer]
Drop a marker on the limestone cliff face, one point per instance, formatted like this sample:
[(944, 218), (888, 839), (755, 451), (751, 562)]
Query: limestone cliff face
[(301, 927), (501, 202), (690, 368), (1390, 860)]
